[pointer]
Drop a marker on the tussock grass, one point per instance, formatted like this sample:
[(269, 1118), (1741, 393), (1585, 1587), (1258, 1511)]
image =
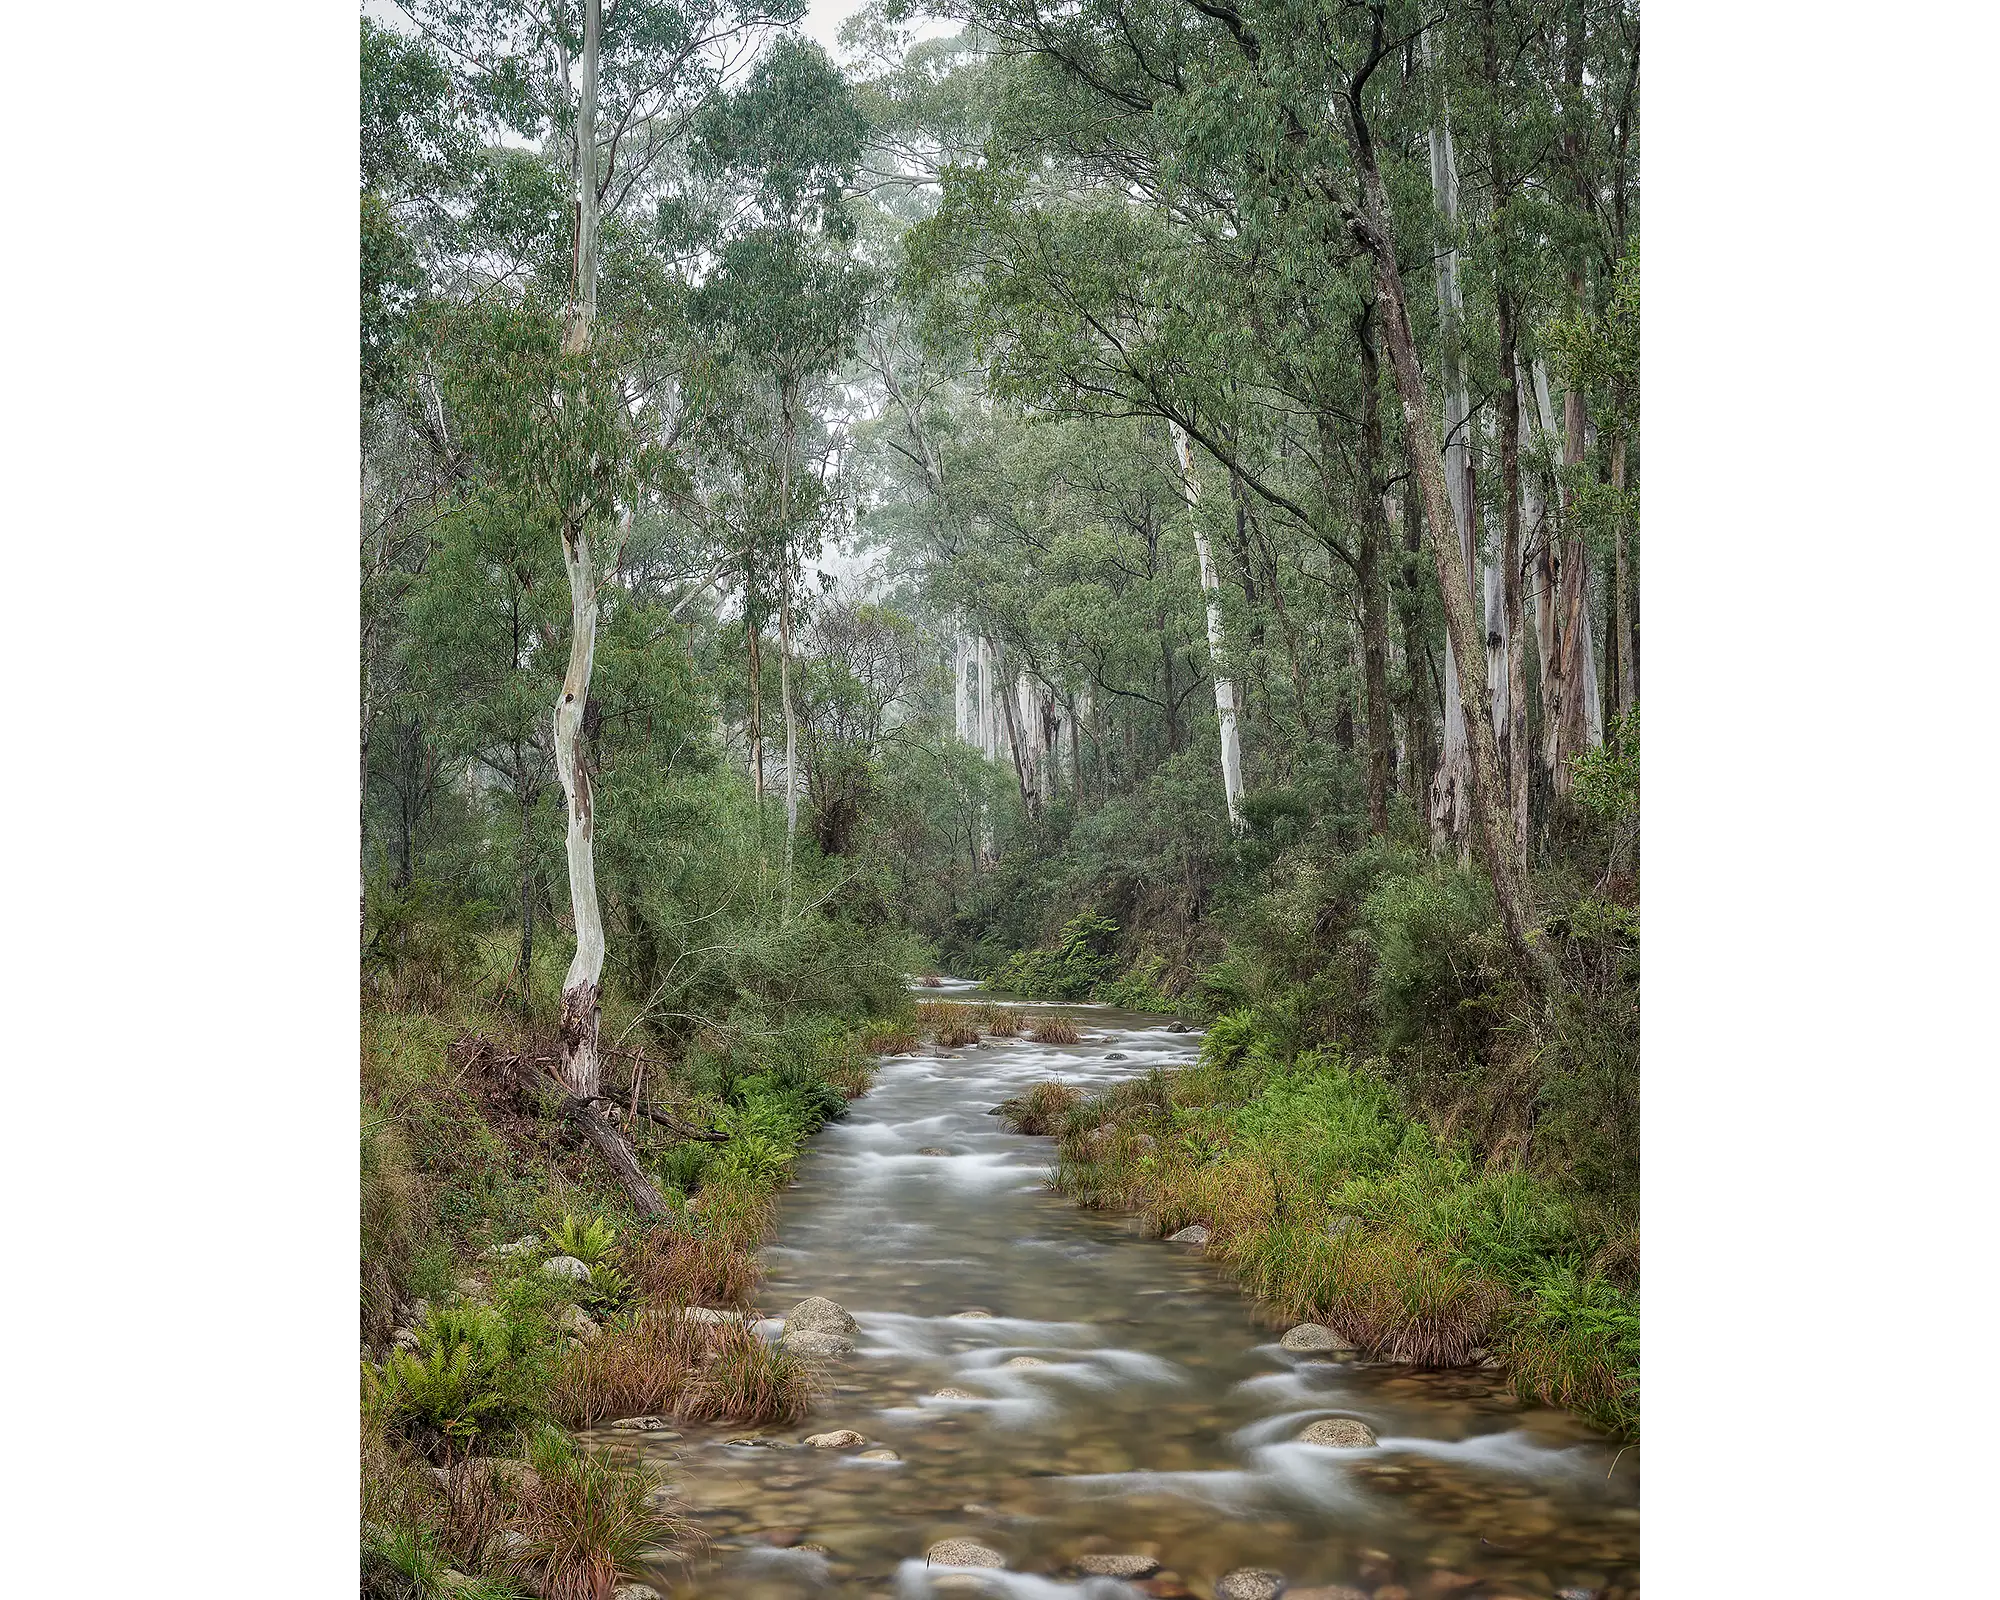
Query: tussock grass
[(1003, 1022), (1043, 1108), (643, 1366), (588, 1525), (956, 1033), (932, 1013), (1053, 1030), (890, 1039), (679, 1267), (748, 1380)]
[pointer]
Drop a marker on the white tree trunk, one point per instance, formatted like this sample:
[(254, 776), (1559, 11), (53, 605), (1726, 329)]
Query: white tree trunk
[(1451, 791), (583, 304), (581, 1068), (1225, 686)]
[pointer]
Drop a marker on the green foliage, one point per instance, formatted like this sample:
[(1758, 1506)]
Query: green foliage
[(1605, 780), (1439, 959), (464, 1384), (589, 1239), (1074, 966)]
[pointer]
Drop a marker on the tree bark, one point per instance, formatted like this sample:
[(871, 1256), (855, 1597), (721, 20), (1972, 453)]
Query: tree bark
[(1450, 809), (1028, 793), (1376, 538), (577, 1027), (1627, 636), (1491, 831), (1225, 685), (786, 401)]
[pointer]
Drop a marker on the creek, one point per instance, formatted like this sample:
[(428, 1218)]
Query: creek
[(1160, 1416)]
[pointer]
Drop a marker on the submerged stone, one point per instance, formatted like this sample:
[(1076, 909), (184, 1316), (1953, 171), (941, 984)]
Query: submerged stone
[(839, 1439), (963, 1553), (1116, 1566), (1197, 1234), (1249, 1583), (1339, 1433)]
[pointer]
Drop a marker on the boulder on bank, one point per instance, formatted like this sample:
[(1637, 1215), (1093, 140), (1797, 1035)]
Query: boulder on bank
[(576, 1321), (963, 1553), (817, 1314), (642, 1425), (1313, 1338), (709, 1316), (1249, 1583), (1197, 1234), (1339, 1433), (566, 1267), (838, 1439)]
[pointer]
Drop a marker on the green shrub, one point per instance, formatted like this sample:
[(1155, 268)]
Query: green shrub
[(1078, 962), (465, 1383), (589, 1239), (1438, 959)]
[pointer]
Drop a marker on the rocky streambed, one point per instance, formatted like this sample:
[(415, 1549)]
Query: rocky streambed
[(1026, 1399)]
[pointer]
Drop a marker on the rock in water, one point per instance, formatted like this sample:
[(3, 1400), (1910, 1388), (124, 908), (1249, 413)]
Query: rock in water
[(644, 1425), (839, 1439), (932, 1150), (880, 1454), (1311, 1338), (817, 1314), (816, 1346), (566, 1267), (1198, 1234), (1117, 1055), (1024, 1361), (956, 1394), (1249, 1583), (1116, 1566), (635, 1591), (1339, 1433), (1328, 1591), (963, 1553), (1182, 1027), (975, 1315)]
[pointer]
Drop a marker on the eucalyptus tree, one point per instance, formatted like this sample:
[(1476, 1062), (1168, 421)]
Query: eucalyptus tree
[(610, 93), (785, 289)]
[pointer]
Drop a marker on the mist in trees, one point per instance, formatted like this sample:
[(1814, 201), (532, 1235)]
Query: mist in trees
[(1136, 453)]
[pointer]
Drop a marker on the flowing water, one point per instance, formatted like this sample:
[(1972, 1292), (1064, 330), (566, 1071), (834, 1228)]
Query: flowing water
[(1160, 1420)]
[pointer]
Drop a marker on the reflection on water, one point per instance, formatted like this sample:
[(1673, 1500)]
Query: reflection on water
[(1157, 1417)]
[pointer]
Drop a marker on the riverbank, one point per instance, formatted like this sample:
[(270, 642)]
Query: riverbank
[(509, 1294), (1302, 1175)]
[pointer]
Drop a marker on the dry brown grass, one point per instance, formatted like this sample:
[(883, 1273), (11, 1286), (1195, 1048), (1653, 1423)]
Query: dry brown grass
[(737, 1214), (930, 1013), (646, 1366), (588, 1524), (1054, 1030), (1043, 1108), (748, 1380), (1003, 1022), (675, 1267), (890, 1039), (956, 1033)]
